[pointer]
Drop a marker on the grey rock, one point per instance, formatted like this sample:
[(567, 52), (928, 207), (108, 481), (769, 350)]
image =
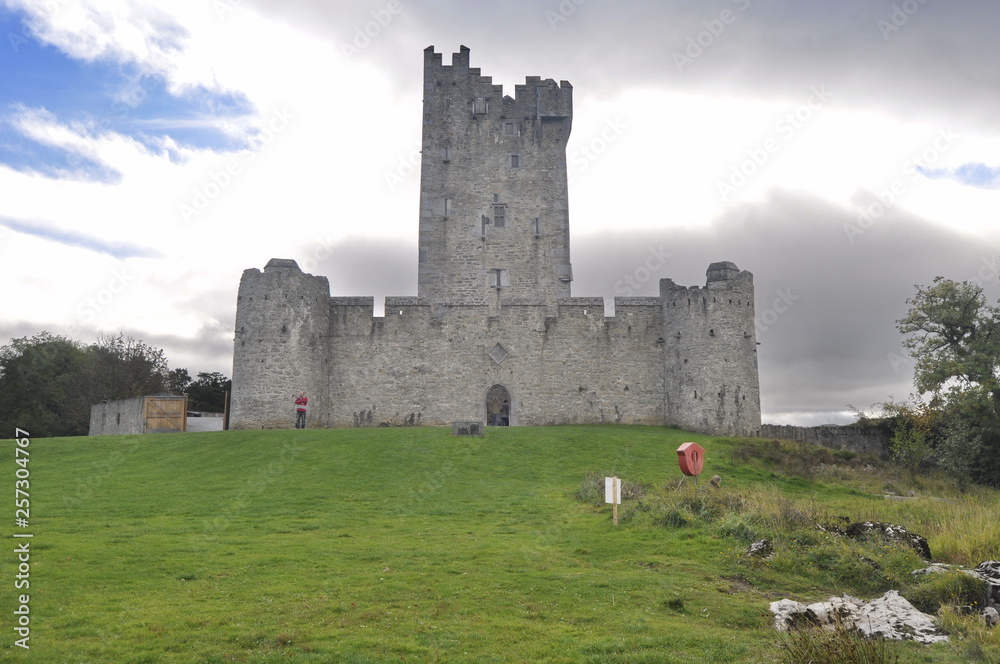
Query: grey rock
[(761, 549), (889, 616), (891, 532), (989, 571)]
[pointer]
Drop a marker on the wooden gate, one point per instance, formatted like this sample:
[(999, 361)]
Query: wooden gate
[(166, 414)]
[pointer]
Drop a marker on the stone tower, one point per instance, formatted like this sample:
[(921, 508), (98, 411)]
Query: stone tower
[(711, 353), (280, 346), (494, 219)]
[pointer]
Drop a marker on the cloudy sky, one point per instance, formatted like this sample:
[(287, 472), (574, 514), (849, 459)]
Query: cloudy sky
[(841, 151)]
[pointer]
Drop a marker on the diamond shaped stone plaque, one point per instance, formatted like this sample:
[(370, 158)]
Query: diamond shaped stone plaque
[(498, 354)]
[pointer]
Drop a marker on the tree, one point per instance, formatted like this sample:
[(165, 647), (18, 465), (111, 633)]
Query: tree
[(37, 381), (49, 383), (954, 336), (955, 341), (178, 381), (120, 367), (208, 393)]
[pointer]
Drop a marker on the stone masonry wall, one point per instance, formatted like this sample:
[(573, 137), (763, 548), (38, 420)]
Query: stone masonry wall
[(422, 364), (282, 323), (116, 418), (856, 439), (711, 353), (687, 358), (478, 155)]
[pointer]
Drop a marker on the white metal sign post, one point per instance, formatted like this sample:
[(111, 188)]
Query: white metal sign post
[(613, 495)]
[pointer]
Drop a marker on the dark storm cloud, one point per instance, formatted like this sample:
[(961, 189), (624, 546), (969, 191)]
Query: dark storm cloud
[(366, 266), (909, 57), (827, 298)]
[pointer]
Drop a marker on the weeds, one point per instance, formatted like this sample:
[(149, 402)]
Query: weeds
[(955, 589), (838, 646)]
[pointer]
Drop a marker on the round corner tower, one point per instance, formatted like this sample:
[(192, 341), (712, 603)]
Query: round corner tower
[(280, 346), (710, 372)]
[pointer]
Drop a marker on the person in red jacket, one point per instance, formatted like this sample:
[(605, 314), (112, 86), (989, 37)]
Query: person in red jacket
[(301, 405)]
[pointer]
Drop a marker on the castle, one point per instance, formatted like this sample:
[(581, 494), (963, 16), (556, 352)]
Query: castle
[(493, 318)]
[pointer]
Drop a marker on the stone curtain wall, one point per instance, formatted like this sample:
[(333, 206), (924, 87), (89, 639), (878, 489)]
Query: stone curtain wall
[(115, 418), (862, 440), (657, 360), (433, 364)]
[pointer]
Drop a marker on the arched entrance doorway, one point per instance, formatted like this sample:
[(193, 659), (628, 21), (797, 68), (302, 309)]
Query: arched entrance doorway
[(498, 406)]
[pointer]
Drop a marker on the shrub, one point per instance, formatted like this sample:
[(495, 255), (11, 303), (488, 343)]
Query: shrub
[(738, 528), (672, 518)]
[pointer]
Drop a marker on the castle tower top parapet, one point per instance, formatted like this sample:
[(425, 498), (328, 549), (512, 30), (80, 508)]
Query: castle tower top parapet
[(494, 217)]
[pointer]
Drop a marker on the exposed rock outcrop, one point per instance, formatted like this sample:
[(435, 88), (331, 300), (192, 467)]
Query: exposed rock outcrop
[(889, 616), (890, 532), (989, 571)]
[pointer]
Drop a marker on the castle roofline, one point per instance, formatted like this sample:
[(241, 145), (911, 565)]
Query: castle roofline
[(282, 264)]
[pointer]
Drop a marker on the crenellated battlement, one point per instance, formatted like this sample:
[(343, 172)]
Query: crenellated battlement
[(535, 99)]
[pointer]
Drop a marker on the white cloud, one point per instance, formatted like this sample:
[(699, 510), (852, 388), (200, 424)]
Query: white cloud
[(332, 141)]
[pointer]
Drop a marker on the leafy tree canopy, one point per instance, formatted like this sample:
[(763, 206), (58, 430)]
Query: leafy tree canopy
[(953, 334), (48, 383)]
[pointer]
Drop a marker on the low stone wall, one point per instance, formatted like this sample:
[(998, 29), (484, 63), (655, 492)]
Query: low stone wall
[(863, 440)]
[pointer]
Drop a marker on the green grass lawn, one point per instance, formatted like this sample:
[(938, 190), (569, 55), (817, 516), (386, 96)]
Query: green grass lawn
[(385, 545)]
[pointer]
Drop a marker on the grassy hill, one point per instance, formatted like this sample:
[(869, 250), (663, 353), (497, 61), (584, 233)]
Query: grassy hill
[(385, 545)]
